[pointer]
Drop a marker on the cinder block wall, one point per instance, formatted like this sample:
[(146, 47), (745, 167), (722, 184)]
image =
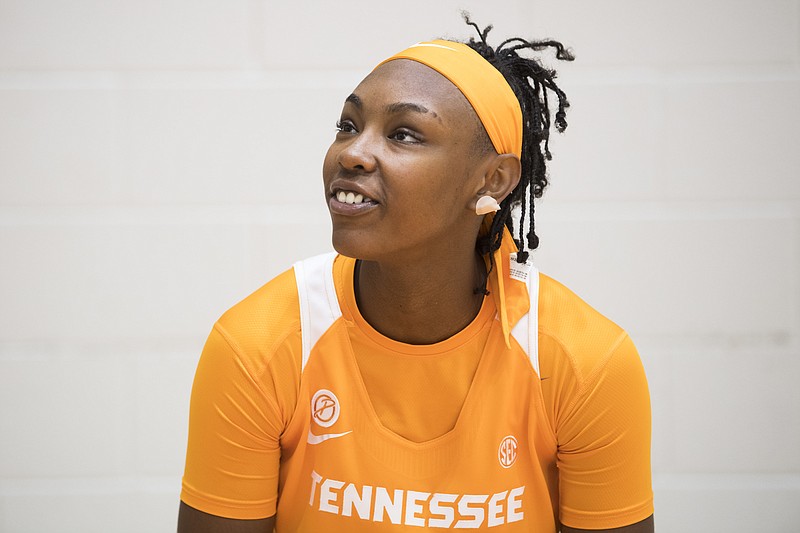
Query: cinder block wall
[(161, 160)]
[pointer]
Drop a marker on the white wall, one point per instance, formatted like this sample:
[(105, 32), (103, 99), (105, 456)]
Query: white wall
[(161, 160)]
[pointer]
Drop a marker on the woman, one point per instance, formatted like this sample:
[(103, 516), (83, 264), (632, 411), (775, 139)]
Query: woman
[(438, 381)]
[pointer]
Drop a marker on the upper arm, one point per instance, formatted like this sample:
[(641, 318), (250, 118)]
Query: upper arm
[(604, 446), (191, 520)]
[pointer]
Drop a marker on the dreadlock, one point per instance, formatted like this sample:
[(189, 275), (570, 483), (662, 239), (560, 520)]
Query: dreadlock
[(531, 82)]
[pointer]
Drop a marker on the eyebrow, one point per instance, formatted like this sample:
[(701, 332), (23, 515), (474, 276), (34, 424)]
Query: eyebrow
[(401, 107), (355, 100), (397, 107)]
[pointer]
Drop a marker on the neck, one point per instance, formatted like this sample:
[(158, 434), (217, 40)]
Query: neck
[(421, 300)]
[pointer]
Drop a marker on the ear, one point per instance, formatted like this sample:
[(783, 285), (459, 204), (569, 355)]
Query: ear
[(501, 176)]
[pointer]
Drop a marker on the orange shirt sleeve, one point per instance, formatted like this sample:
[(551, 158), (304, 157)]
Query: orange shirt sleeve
[(244, 394), (604, 444), (233, 450)]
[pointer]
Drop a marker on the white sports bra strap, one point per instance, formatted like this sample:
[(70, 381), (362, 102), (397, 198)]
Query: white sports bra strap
[(319, 307)]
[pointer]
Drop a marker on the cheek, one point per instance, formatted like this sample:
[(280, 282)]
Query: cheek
[(450, 185), (329, 163), (437, 194)]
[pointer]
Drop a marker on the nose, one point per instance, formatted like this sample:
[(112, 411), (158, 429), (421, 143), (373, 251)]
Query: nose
[(358, 153)]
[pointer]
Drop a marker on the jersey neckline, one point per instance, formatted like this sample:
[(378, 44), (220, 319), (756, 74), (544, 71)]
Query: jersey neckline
[(346, 289)]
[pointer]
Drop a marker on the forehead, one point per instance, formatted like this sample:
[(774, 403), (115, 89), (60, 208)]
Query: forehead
[(404, 80)]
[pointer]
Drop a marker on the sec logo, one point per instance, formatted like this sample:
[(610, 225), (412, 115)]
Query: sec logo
[(507, 452), (325, 408)]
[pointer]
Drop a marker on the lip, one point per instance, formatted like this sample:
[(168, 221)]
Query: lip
[(340, 184), (342, 208)]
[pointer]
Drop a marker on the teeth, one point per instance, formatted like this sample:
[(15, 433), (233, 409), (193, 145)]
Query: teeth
[(349, 197)]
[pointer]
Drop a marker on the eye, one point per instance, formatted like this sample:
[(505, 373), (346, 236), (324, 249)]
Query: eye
[(405, 136), (345, 126)]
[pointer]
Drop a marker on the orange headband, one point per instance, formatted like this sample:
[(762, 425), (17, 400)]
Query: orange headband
[(486, 89)]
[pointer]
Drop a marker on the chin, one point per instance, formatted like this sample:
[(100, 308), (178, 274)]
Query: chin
[(351, 244)]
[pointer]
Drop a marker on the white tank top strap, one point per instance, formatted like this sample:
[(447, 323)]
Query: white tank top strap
[(526, 331), (319, 306)]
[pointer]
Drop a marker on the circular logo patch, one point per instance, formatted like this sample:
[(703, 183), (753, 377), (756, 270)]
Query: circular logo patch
[(325, 408), (507, 452)]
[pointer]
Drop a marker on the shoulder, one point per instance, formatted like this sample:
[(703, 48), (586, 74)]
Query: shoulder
[(259, 325), (265, 327), (593, 380), (575, 330)]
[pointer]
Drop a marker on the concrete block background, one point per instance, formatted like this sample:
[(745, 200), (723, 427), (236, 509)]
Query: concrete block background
[(160, 161)]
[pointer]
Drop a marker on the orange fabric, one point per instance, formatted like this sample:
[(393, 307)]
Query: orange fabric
[(483, 85), (441, 373), (238, 410), (594, 383), (583, 429)]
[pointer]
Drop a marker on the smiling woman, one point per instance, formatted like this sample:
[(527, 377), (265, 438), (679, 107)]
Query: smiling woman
[(427, 375)]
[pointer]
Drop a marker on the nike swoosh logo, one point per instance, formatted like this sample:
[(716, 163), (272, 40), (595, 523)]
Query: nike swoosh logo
[(316, 439)]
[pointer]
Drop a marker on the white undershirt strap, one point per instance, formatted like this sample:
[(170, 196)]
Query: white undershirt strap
[(319, 306), (526, 331)]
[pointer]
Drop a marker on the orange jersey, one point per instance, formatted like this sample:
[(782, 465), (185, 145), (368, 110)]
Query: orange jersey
[(300, 408)]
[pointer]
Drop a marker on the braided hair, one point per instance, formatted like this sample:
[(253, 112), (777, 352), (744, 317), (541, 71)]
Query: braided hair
[(531, 82)]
